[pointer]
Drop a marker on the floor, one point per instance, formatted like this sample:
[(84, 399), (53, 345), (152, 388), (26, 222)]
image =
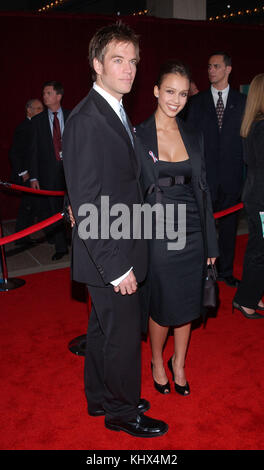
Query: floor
[(21, 261)]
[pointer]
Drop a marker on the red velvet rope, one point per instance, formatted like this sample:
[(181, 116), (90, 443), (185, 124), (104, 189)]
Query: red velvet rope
[(32, 229), (228, 211), (56, 217), (25, 189)]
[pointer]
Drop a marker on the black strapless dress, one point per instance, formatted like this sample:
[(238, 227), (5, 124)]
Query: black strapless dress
[(175, 276)]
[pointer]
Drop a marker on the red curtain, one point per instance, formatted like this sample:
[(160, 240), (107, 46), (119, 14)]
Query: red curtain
[(36, 48)]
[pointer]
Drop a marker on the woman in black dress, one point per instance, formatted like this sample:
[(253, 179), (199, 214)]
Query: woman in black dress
[(249, 294), (173, 173)]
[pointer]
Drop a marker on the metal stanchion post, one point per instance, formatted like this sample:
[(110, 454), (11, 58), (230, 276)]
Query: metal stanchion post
[(5, 283)]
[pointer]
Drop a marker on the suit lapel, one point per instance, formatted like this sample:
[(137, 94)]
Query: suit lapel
[(65, 115), (210, 107), (49, 140), (110, 116), (230, 104), (151, 135), (150, 142), (112, 120), (135, 148), (229, 109)]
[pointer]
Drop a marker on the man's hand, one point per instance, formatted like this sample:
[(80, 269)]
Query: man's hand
[(34, 184), (128, 285), (25, 177)]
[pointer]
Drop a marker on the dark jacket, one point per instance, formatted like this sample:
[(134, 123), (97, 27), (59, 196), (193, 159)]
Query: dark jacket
[(193, 141), (223, 150), (254, 158), (19, 153), (44, 166), (99, 160)]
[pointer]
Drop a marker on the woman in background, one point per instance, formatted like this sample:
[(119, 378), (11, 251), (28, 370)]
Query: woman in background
[(250, 291), (173, 172)]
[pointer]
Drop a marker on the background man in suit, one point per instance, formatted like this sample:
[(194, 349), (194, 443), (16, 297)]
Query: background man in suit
[(100, 159), (46, 160), (218, 112), (19, 156)]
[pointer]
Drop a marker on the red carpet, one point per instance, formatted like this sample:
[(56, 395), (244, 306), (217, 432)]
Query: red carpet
[(43, 404)]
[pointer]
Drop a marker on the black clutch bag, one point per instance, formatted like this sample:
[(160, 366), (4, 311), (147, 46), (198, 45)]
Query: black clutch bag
[(210, 287)]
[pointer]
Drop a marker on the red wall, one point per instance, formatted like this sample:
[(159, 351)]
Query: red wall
[(36, 48)]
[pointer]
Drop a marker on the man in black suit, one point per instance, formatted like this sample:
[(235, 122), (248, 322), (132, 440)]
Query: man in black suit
[(100, 161), (218, 112), (19, 156), (46, 161)]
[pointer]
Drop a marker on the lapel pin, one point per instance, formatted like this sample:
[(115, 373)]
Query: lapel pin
[(155, 159)]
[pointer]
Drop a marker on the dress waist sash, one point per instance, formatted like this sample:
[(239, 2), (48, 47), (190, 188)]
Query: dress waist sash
[(166, 182)]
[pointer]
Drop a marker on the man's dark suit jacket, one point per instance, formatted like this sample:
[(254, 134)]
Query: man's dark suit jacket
[(193, 142), (254, 158), (19, 153), (44, 166), (99, 160), (223, 150)]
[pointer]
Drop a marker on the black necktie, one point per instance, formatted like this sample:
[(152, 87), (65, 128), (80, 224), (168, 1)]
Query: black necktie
[(220, 110), (56, 136)]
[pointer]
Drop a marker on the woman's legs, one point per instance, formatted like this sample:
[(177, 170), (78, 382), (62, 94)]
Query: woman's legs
[(158, 335), (250, 290), (181, 341)]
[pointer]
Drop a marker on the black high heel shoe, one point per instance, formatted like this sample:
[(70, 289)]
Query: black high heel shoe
[(254, 315), (164, 389), (181, 389)]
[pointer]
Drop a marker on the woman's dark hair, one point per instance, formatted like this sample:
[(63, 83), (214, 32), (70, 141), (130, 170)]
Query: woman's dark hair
[(173, 66)]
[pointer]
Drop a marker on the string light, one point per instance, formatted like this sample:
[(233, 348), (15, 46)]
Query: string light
[(237, 13), (55, 3), (142, 12), (61, 2)]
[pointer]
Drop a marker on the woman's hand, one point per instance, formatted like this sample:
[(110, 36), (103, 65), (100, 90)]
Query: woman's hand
[(72, 219), (211, 260)]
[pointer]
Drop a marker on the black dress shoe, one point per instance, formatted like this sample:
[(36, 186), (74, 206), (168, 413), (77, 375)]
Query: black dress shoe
[(58, 255), (230, 281), (140, 426), (143, 406)]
